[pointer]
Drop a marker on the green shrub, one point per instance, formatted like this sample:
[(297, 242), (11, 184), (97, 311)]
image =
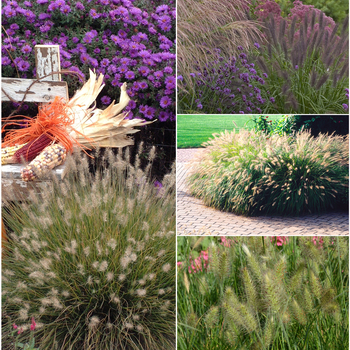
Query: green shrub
[(93, 260), (251, 173), (328, 124), (277, 294), (280, 126)]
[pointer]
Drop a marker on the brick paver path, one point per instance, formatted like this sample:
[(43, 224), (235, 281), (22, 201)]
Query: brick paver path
[(193, 217)]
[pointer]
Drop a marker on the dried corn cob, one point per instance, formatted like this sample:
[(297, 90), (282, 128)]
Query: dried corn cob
[(7, 154), (32, 148), (51, 157)]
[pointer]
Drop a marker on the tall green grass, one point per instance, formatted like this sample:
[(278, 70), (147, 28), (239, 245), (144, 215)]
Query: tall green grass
[(257, 295), (251, 173), (92, 260)]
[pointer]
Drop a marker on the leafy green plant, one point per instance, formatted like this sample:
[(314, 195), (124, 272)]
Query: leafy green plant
[(266, 293), (251, 174), (280, 126), (93, 259), (25, 346)]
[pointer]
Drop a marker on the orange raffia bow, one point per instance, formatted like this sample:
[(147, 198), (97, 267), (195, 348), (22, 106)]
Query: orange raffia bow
[(52, 120)]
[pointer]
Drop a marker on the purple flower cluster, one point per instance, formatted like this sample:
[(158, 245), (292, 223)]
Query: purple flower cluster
[(112, 37), (299, 11), (234, 84)]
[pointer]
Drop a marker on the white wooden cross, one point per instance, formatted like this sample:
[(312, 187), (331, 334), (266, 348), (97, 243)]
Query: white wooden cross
[(47, 60)]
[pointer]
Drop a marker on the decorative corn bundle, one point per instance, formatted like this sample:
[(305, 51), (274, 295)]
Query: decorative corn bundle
[(74, 125), (51, 157), (7, 154)]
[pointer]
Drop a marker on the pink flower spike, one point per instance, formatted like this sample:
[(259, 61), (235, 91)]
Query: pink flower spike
[(32, 326), (20, 331), (14, 326)]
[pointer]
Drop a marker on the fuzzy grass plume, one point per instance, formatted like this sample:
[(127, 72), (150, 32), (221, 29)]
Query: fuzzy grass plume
[(275, 297), (93, 260), (250, 173)]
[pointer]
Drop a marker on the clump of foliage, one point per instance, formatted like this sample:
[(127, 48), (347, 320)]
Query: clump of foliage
[(282, 126), (265, 293), (125, 40), (251, 173), (92, 260), (225, 86)]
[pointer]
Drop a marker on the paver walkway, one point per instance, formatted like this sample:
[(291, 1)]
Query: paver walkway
[(194, 218)]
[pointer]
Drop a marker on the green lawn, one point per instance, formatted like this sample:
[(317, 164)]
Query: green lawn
[(193, 130)]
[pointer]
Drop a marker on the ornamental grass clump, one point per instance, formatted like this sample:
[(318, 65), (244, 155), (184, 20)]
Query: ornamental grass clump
[(250, 173), (92, 259), (308, 69), (274, 297)]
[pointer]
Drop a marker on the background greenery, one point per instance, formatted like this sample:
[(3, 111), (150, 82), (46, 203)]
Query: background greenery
[(193, 130)]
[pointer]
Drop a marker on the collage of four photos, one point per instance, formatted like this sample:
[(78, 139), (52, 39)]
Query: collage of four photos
[(175, 175)]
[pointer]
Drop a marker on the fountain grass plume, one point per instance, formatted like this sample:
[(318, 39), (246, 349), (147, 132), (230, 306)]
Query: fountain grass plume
[(290, 300), (93, 260)]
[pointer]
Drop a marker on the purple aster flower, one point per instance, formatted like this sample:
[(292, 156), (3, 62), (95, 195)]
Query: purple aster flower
[(272, 99), (257, 45), (158, 74), (143, 85), (5, 61), (265, 75), (23, 66), (241, 112), (165, 101), (144, 71), (129, 75), (65, 9), (199, 105), (150, 113), (163, 116), (93, 14), (144, 54), (66, 64), (180, 77), (79, 6), (93, 62), (165, 27), (162, 8), (240, 48), (14, 26), (106, 100), (168, 70), (84, 58), (345, 106), (123, 69), (132, 104), (26, 49), (143, 109), (347, 90), (104, 63), (41, 2)]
